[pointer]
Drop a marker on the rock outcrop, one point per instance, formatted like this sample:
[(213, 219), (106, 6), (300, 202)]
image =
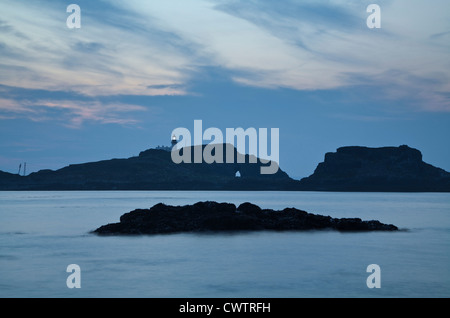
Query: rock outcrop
[(385, 169), (153, 169), (225, 217)]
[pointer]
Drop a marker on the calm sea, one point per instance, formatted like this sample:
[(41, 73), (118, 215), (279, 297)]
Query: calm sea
[(41, 233)]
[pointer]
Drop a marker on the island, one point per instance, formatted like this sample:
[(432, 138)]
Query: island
[(214, 217), (350, 169), (384, 169), (153, 169)]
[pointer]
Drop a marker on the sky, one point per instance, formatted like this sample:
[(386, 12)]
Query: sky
[(135, 70)]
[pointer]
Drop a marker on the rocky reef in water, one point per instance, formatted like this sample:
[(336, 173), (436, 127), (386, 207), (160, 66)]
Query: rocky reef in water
[(226, 217)]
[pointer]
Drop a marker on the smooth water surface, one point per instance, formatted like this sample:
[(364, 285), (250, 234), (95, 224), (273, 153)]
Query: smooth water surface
[(41, 233)]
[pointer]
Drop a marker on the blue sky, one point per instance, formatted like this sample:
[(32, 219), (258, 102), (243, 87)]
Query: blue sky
[(136, 70)]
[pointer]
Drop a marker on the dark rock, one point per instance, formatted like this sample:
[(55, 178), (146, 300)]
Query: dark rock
[(249, 208), (385, 169), (153, 169), (225, 217)]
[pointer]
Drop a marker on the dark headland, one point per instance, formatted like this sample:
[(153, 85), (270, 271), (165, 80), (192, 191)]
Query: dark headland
[(385, 169), (212, 217), (152, 169)]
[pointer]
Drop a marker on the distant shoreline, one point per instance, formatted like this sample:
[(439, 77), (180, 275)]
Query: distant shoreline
[(349, 169), (209, 190)]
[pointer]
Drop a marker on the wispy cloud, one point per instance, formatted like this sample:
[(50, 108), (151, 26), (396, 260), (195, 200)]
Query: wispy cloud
[(314, 45), (155, 47), (71, 113), (101, 58), (329, 44)]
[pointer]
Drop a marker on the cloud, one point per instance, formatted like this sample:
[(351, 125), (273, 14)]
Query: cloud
[(315, 45), (156, 47), (70, 113), (101, 58), (331, 46), (11, 108), (7, 28)]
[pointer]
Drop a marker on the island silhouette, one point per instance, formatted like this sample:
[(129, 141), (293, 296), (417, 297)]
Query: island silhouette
[(355, 168)]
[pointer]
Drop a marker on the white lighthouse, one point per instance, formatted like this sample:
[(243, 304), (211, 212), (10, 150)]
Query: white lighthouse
[(174, 140)]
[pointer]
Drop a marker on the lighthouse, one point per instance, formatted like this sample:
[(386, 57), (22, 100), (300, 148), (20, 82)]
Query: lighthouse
[(174, 140)]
